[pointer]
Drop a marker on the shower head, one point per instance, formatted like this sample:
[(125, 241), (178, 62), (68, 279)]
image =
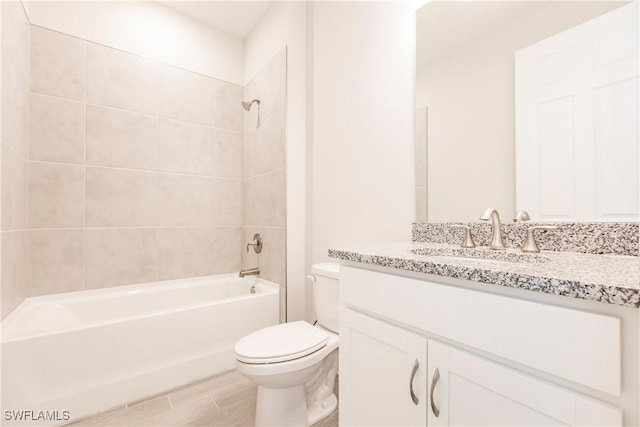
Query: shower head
[(247, 105)]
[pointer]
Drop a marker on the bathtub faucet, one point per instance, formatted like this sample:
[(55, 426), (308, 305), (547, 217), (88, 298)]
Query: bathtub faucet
[(250, 272)]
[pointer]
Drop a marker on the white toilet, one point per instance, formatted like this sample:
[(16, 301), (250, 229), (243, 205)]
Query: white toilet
[(295, 364)]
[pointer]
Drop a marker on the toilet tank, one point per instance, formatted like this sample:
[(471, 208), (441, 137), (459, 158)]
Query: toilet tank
[(326, 298)]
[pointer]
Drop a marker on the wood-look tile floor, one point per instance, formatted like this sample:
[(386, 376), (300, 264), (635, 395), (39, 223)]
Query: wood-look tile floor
[(225, 400)]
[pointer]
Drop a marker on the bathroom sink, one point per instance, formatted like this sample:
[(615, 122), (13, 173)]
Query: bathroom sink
[(481, 253)]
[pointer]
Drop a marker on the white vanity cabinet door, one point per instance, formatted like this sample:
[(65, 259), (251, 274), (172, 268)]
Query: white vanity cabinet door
[(378, 362), (471, 390)]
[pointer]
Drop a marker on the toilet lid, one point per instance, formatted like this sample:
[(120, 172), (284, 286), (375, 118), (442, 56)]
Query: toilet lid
[(280, 343)]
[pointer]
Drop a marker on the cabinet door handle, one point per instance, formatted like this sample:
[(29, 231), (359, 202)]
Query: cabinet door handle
[(434, 381), (416, 365)]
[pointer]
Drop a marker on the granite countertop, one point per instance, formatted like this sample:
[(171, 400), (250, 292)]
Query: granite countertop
[(611, 279)]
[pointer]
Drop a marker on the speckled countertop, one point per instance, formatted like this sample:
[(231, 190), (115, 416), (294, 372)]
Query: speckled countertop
[(611, 279)]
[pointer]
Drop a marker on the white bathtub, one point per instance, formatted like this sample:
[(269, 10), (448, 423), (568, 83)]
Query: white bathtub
[(88, 351)]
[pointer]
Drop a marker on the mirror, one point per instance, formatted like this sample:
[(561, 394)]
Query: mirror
[(527, 105)]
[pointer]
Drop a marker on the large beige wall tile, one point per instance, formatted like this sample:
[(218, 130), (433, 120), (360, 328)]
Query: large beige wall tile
[(14, 269), (57, 64), (186, 96), (184, 252), (20, 192), (185, 200), (15, 34), (120, 256), (227, 249), (184, 147), (227, 154), (122, 80), (14, 189), (227, 106), (121, 138), (272, 259), (10, 295), (56, 129), (270, 85), (56, 195), (15, 105), (6, 186), (264, 201), (56, 261), (264, 148), (121, 198), (227, 201)]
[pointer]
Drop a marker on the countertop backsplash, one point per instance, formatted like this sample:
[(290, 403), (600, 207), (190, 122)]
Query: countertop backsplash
[(613, 238)]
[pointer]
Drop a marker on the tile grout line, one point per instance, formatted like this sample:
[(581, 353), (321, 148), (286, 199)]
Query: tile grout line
[(157, 201), (84, 230), (133, 112), (170, 402), (214, 401), (149, 171)]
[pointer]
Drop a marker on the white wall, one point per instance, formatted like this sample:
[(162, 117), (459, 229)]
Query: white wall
[(285, 24), (363, 69), (147, 29), (470, 98), (267, 38)]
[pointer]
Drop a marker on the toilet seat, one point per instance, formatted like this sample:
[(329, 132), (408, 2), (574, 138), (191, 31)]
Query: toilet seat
[(280, 343)]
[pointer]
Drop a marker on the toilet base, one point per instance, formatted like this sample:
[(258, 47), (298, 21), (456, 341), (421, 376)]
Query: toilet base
[(288, 407), (281, 407), (321, 410)]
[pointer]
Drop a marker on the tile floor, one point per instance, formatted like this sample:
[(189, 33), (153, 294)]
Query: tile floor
[(226, 400)]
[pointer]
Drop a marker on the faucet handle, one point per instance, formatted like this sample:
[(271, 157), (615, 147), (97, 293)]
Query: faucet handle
[(530, 244), (522, 216), (256, 243), (468, 239)]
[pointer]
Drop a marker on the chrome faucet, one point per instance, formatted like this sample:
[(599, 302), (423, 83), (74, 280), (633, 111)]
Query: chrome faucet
[(250, 272), (496, 233)]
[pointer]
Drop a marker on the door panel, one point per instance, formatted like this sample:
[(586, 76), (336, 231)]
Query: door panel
[(376, 367), (474, 391)]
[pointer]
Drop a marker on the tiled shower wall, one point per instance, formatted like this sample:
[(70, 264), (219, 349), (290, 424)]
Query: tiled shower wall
[(135, 169), (117, 169), (14, 153), (264, 172)]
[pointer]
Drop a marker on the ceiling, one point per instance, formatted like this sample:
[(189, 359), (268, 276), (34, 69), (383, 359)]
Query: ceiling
[(233, 17), (445, 26)]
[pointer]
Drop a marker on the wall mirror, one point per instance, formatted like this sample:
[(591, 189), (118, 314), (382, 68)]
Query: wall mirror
[(527, 105)]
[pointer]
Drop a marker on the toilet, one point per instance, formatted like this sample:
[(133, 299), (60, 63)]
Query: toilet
[(295, 364)]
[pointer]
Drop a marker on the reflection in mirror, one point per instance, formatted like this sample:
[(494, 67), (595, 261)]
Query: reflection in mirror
[(421, 164), (531, 105)]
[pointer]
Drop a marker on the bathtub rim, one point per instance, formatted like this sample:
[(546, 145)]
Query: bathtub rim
[(142, 288)]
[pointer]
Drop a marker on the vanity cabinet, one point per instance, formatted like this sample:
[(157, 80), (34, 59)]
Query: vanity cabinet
[(384, 365), (403, 362), (470, 390)]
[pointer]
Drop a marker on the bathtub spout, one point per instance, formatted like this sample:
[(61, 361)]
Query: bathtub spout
[(250, 272)]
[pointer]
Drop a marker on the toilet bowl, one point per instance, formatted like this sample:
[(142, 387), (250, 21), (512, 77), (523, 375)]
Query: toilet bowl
[(295, 364)]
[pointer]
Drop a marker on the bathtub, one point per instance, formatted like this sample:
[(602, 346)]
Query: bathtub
[(84, 352)]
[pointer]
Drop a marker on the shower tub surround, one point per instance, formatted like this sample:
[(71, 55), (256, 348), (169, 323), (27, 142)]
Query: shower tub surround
[(134, 169), (608, 278), (89, 351)]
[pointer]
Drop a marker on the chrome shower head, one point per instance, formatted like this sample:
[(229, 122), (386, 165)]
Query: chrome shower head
[(247, 105)]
